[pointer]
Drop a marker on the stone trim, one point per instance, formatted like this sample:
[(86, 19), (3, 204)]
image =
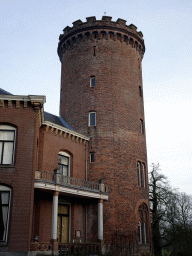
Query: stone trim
[(63, 132)]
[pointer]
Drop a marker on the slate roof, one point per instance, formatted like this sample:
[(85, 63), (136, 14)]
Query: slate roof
[(56, 120), (3, 92)]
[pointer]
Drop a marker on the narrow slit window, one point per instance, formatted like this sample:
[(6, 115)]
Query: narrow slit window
[(92, 81), (140, 91), (92, 157), (139, 232), (139, 173), (141, 126), (143, 167), (94, 47), (145, 234), (92, 118)]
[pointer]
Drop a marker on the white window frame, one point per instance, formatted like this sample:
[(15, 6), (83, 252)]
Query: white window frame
[(7, 128), (6, 189), (92, 78), (62, 153), (89, 123), (139, 173)]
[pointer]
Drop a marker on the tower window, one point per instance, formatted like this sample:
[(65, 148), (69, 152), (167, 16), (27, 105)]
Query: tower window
[(141, 126), (92, 81), (92, 157), (139, 232), (139, 173), (140, 91), (92, 118), (143, 169)]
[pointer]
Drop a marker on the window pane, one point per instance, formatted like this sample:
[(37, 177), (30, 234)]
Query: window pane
[(5, 197), (64, 160), (60, 167), (4, 211), (139, 173), (2, 229), (65, 170), (92, 119), (7, 135), (8, 153), (92, 81), (1, 145), (92, 157), (143, 175)]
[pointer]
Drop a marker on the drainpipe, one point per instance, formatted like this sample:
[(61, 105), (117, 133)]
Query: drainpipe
[(86, 148), (86, 160)]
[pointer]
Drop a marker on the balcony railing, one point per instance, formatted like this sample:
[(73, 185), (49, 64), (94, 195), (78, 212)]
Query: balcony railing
[(56, 178)]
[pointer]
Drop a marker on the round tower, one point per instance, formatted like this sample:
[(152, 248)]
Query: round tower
[(102, 97)]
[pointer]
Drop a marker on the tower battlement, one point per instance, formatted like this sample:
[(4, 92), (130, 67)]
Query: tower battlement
[(100, 29)]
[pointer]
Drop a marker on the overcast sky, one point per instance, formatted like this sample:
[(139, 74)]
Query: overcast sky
[(29, 32)]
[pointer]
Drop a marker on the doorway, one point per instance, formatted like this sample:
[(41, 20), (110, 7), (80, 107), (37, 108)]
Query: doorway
[(63, 223)]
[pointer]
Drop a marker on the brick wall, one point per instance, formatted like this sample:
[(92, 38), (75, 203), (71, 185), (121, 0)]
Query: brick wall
[(51, 145), (116, 140), (21, 176)]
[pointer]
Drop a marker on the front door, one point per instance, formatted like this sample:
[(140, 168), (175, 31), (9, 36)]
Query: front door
[(63, 223)]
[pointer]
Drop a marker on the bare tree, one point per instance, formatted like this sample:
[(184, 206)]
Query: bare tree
[(171, 216), (158, 190)]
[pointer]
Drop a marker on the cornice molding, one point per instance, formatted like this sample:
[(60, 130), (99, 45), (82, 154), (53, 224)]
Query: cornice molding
[(57, 130)]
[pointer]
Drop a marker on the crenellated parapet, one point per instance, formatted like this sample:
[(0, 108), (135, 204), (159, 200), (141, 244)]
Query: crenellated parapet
[(104, 29)]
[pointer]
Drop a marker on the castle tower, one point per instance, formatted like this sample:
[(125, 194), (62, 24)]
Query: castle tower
[(102, 97)]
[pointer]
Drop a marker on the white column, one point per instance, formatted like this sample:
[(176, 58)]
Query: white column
[(54, 214), (100, 219)]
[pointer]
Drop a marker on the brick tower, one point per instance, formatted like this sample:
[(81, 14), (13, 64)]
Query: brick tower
[(102, 97)]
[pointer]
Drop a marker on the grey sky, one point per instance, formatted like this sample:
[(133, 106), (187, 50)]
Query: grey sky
[(29, 65)]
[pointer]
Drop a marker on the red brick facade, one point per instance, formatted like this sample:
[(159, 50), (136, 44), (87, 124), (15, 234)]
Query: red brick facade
[(44, 199), (111, 52)]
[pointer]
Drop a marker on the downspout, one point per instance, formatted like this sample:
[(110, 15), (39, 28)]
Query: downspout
[(86, 161), (86, 180)]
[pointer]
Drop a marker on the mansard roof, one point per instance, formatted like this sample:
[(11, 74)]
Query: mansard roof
[(3, 92), (56, 120)]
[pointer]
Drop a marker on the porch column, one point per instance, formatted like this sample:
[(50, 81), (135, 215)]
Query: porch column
[(54, 214), (100, 219)]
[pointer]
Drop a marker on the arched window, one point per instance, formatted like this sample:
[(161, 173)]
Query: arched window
[(5, 196), (143, 231), (145, 234), (143, 170), (139, 232), (7, 144), (139, 173), (64, 164)]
